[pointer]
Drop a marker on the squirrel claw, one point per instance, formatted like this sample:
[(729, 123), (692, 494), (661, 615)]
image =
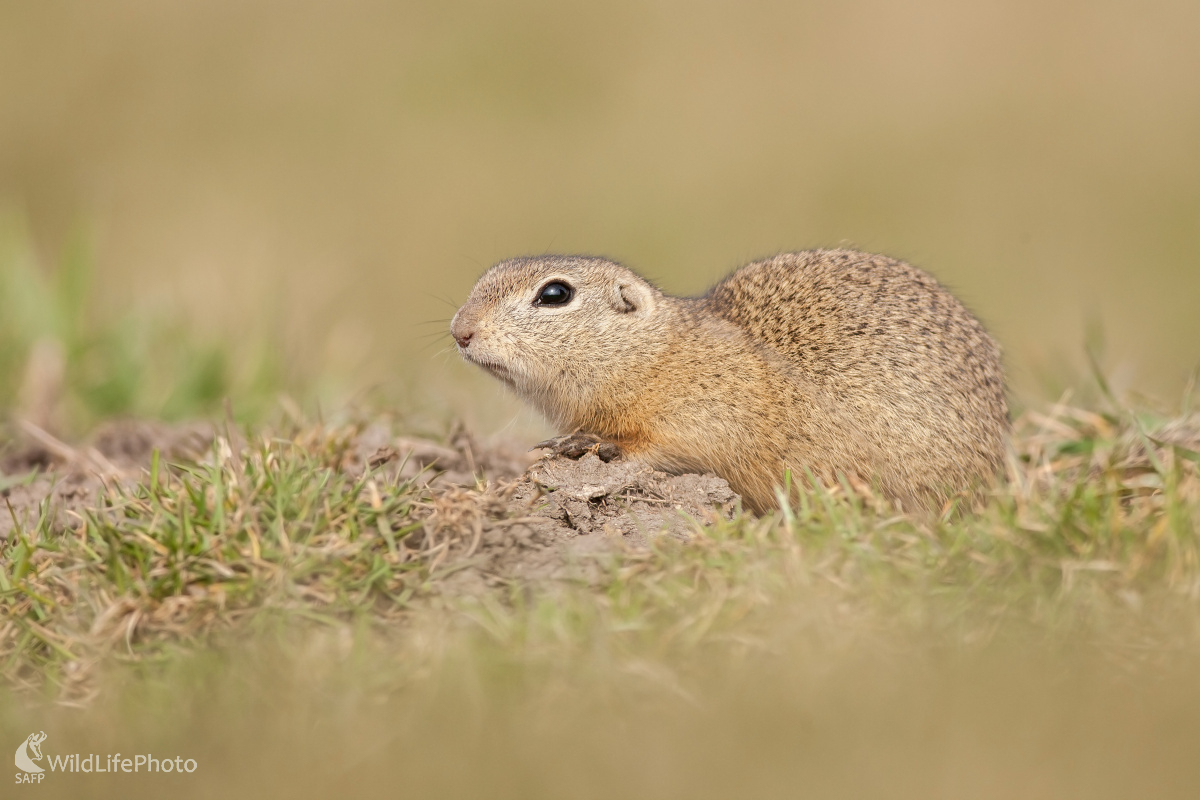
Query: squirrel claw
[(576, 445)]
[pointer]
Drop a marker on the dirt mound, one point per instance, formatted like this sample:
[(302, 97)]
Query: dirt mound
[(562, 518), (626, 499)]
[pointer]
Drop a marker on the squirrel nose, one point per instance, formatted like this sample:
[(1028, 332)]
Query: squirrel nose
[(462, 330)]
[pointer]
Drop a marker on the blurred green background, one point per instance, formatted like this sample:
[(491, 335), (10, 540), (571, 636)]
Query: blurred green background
[(336, 176)]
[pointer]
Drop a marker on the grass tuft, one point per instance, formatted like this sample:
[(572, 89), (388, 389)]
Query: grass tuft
[(194, 549)]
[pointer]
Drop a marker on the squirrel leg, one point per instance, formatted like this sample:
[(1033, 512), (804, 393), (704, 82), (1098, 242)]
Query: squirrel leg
[(576, 445)]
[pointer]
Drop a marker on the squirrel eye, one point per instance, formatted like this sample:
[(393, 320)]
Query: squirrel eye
[(555, 293)]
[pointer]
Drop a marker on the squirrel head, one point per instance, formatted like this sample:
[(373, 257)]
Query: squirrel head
[(558, 330)]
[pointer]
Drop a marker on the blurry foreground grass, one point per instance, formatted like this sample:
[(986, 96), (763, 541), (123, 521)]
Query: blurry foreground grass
[(286, 622)]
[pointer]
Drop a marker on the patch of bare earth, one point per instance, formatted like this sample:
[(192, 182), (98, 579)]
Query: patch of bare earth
[(505, 516)]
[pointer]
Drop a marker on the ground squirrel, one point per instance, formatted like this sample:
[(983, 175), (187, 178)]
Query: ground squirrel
[(834, 363)]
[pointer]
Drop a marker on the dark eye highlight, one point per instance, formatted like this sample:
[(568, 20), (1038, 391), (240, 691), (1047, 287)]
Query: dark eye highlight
[(555, 293)]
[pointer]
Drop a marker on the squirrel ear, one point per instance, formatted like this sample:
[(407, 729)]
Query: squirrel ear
[(630, 297)]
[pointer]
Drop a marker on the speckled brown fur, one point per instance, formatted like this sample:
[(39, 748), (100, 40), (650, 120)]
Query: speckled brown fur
[(832, 361)]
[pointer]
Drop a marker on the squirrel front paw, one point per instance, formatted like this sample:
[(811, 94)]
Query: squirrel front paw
[(576, 445)]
